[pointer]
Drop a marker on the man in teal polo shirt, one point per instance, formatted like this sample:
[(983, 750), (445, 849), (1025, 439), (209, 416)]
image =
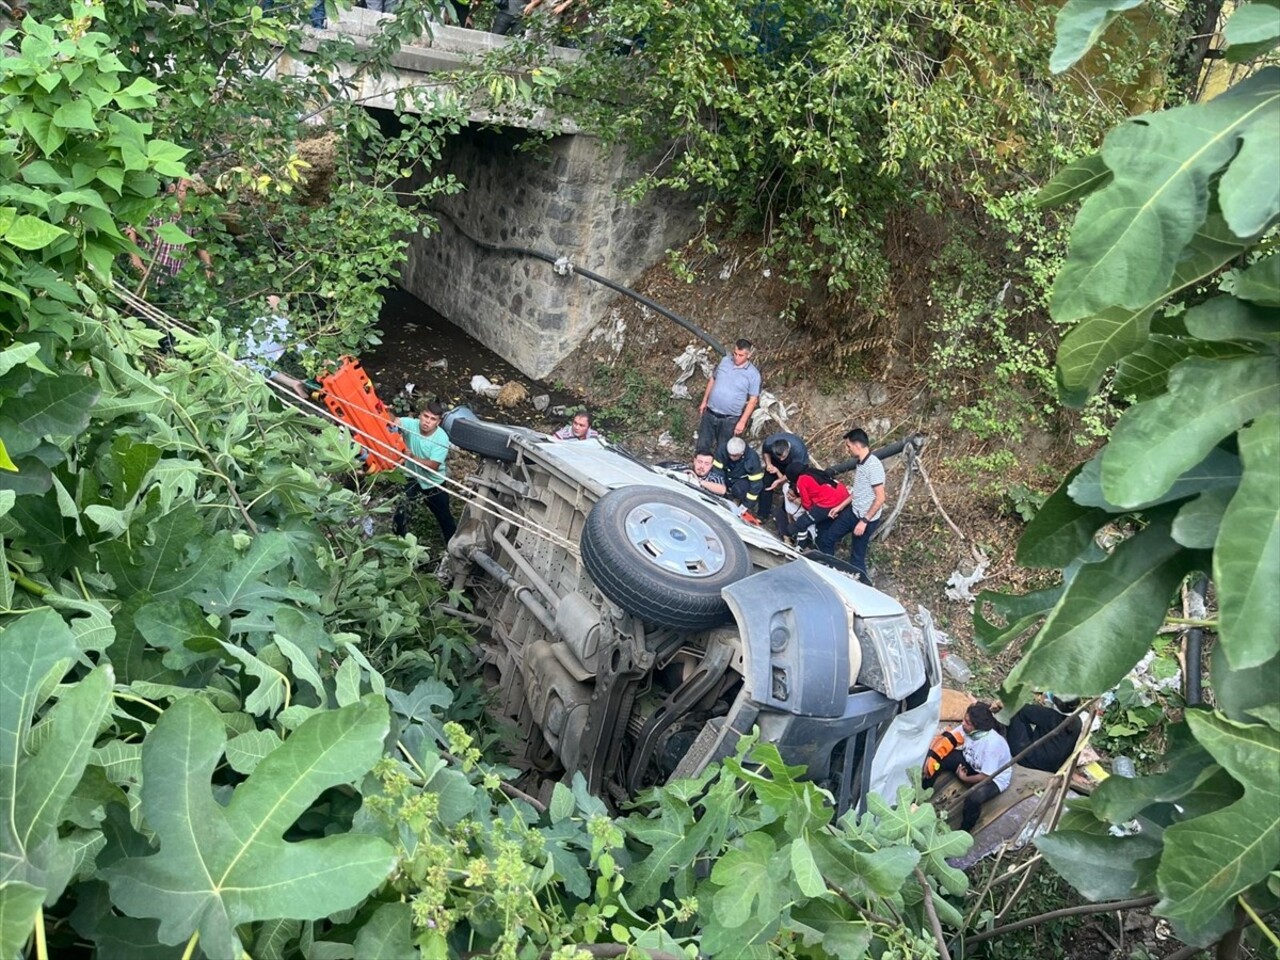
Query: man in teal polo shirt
[(428, 448)]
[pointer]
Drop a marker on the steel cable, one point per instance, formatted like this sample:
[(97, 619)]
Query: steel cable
[(157, 317)]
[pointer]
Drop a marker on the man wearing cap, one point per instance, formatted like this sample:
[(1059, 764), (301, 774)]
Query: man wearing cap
[(732, 393), (743, 475)]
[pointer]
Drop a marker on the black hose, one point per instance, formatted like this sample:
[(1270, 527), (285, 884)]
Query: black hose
[(1195, 646), (590, 275)]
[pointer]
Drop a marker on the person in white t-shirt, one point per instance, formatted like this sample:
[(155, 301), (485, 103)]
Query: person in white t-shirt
[(985, 752)]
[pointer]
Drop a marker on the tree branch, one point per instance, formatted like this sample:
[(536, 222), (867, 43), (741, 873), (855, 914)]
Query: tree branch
[(934, 923), (1077, 911)]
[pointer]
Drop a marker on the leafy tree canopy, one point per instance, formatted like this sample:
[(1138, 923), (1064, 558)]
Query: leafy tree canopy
[(1172, 282)]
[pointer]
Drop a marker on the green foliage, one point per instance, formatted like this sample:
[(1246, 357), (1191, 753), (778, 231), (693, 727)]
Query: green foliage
[(811, 122), (1190, 189), (303, 193), (198, 747)]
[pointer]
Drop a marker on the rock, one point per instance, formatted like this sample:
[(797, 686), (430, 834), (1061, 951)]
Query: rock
[(512, 394), (877, 394), (541, 402)]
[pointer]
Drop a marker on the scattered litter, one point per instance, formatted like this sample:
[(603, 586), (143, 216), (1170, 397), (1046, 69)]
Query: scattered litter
[(408, 388), (441, 364), (766, 273), (693, 358), (666, 439), (965, 577), (480, 384), (613, 331), (559, 411), (770, 408), (512, 394), (411, 327), (541, 402)]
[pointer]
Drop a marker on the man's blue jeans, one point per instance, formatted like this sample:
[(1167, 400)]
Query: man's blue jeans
[(858, 551)]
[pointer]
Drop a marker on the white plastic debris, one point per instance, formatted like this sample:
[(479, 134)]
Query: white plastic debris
[(480, 385), (769, 408), (961, 583), (666, 440), (408, 388), (692, 359)]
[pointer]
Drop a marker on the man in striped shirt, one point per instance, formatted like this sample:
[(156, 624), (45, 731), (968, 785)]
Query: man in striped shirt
[(868, 498)]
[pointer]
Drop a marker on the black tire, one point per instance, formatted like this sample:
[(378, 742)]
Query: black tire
[(835, 563), (486, 439), (663, 557)]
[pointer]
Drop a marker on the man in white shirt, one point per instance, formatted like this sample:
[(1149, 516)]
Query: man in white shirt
[(868, 498)]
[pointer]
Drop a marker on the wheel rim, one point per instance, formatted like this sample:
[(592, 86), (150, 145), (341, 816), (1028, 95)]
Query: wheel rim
[(675, 540)]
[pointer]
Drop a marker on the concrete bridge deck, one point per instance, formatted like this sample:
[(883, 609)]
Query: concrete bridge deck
[(423, 67)]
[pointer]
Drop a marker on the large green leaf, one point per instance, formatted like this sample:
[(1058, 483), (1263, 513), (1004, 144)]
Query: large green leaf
[(1144, 373), (244, 587), (1197, 524), (1253, 29), (1107, 615), (744, 875), (1211, 859), (57, 406), (38, 774), (1078, 179), (1060, 530), (1246, 559), (1017, 611), (221, 866), (1230, 318), (19, 903), (1156, 441), (1130, 236), (1260, 283), (1237, 693), (1083, 852), (1113, 332), (388, 934), (1080, 23), (1220, 470), (167, 558)]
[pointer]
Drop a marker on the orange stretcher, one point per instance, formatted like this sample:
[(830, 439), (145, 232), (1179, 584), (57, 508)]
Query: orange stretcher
[(348, 393)]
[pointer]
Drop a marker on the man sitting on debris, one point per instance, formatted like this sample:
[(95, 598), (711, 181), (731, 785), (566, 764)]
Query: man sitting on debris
[(704, 475), (743, 474), (428, 448), (983, 751), (579, 428), (1033, 722)]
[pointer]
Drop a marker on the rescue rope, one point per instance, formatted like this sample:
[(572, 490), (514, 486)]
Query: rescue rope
[(469, 495)]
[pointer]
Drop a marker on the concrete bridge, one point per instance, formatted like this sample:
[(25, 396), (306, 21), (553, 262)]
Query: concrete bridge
[(562, 197)]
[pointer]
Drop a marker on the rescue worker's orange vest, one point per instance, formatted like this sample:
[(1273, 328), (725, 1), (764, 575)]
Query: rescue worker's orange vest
[(942, 747)]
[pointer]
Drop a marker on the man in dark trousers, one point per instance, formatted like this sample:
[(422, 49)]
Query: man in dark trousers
[(1035, 721), (743, 475), (868, 496), (428, 446), (731, 395), (777, 453)]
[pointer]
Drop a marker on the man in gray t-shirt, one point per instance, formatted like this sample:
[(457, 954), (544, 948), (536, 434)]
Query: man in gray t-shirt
[(731, 395), (868, 497)]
